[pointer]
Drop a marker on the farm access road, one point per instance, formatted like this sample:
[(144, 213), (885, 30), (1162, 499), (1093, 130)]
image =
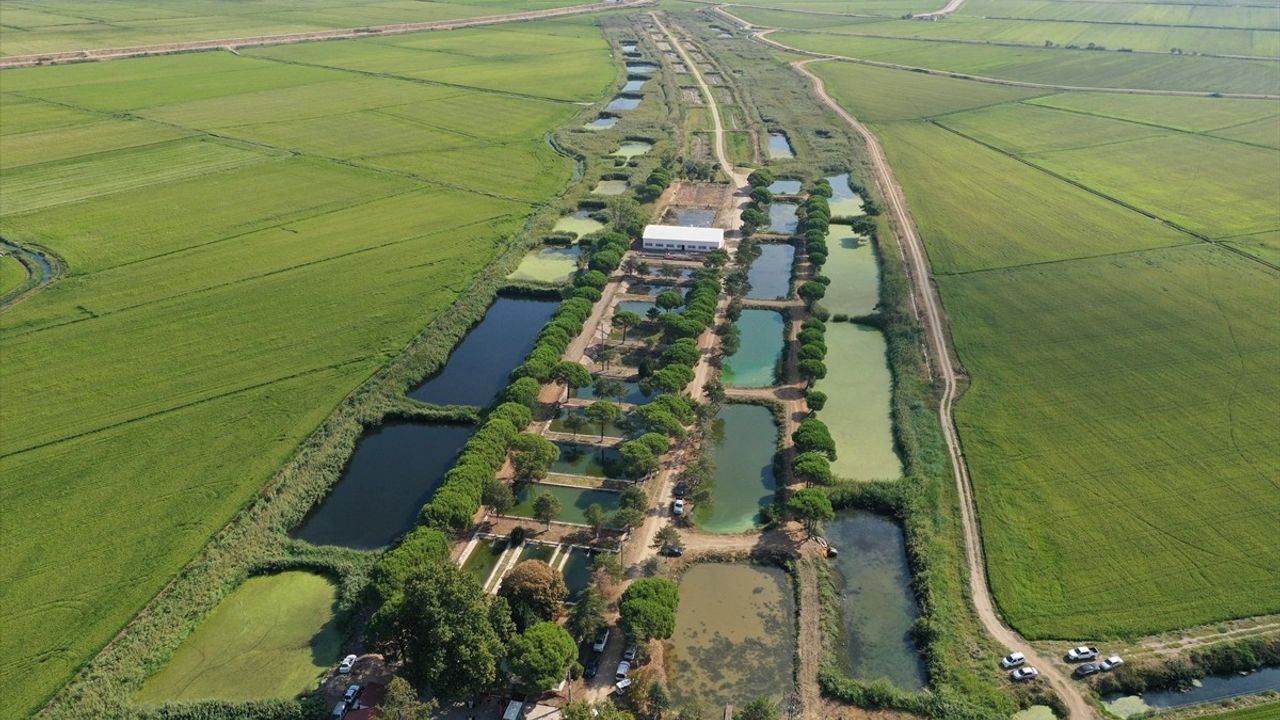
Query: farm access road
[(232, 44), (928, 311)]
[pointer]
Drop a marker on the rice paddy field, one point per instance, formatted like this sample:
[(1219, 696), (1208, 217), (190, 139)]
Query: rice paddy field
[(45, 27), (1123, 360), (247, 238)]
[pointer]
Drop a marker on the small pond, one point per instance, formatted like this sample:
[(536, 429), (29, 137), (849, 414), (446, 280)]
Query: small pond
[(573, 500), (780, 146), (859, 392), (1209, 689), (879, 608), (782, 218), (785, 187), (576, 569), (1035, 712), (604, 122), (558, 424), (634, 395), (588, 460), (744, 439), (633, 148), (735, 635), (629, 47), (634, 85), (395, 470), (759, 353), (693, 217), (624, 102), (854, 272), (484, 558), (549, 265), (580, 223), (536, 551), (480, 365), (610, 187), (641, 68), (770, 273), (844, 201), (639, 307)]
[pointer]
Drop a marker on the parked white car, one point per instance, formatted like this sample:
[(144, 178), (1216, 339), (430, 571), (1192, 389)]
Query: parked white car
[(1111, 663), (677, 507), (624, 668), (1013, 660), (601, 641), (1082, 653), (1023, 674), (347, 663)]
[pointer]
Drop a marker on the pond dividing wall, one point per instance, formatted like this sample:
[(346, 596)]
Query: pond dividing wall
[(395, 470), (735, 635), (481, 364), (770, 274), (744, 438), (762, 334), (878, 606)]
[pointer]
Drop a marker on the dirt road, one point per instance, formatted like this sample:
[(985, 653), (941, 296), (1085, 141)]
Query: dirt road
[(930, 314), (14, 61)]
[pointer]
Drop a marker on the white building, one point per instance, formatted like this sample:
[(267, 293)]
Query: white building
[(678, 238)]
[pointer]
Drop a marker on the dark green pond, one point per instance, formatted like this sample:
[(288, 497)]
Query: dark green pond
[(573, 500), (481, 364), (743, 438), (395, 470), (634, 395), (879, 607), (770, 273)]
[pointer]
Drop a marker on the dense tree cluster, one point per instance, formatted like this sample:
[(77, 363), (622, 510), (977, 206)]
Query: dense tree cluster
[(648, 609)]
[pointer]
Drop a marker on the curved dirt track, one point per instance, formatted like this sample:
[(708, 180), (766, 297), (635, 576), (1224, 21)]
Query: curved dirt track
[(928, 310), (15, 61)]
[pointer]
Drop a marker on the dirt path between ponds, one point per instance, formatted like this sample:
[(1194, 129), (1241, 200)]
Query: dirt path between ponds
[(928, 310), (232, 44)]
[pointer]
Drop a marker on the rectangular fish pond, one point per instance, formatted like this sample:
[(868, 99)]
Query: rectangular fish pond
[(592, 429), (575, 566), (633, 148), (854, 271), (859, 390), (784, 186), (590, 460), (633, 394), (735, 636), (844, 201), (641, 68), (634, 84), (479, 366), (395, 470), (604, 122), (744, 439), (573, 500), (610, 187), (877, 603), (780, 146), (759, 355), (624, 102), (549, 264), (692, 216), (782, 218), (484, 558), (579, 223), (769, 276)]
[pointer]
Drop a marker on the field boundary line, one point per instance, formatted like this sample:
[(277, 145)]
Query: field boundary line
[(939, 346), (1206, 134), (1096, 256), (232, 44), (1110, 198), (762, 31)]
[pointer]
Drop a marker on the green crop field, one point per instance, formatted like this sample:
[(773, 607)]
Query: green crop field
[(1152, 38), (1263, 711), (12, 274), (1075, 68), (1123, 373), (40, 26), (247, 239), (1212, 14), (273, 637)]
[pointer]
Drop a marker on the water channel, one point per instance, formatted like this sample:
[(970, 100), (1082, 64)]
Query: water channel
[(1209, 689)]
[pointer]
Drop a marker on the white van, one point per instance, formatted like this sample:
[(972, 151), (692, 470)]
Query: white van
[(601, 641)]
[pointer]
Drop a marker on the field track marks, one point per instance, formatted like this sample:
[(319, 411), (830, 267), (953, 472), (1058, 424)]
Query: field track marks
[(1109, 198), (193, 403), (930, 315), (761, 33), (232, 44)]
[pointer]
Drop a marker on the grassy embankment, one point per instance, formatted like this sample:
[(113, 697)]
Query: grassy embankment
[(1122, 368), (236, 268)]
